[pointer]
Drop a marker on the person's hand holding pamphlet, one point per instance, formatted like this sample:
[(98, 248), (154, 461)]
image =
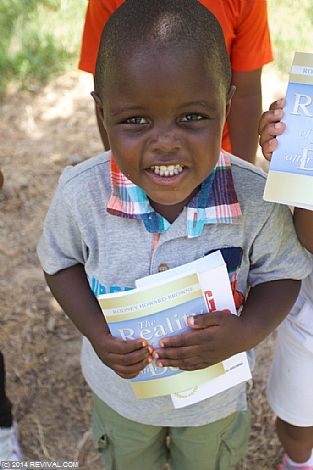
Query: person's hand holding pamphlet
[(215, 284), (290, 178), (159, 307)]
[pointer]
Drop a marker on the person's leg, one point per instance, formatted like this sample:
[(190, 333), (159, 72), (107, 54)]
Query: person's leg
[(6, 419), (9, 445), (289, 393), (297, 441), (216, 446), (125, 444)]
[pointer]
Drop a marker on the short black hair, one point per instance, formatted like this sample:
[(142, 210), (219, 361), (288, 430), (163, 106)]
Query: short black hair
[(163, 23)]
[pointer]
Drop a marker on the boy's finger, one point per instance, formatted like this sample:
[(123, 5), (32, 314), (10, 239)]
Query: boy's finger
[(129, 359), (193, 363), (268, 148), (129, 372), (191, 338), (204, 320), (271, 131), (119, 346), (280, 103), (268, 118), (184, 353), (268, 145)]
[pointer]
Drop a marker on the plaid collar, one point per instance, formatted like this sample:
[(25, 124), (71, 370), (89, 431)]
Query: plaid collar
[(215, 203)]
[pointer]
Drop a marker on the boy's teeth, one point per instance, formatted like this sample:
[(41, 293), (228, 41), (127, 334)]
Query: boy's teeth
[(169, 170)]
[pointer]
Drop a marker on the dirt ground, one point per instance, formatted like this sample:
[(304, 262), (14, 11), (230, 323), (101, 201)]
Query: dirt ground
[(41, 132)]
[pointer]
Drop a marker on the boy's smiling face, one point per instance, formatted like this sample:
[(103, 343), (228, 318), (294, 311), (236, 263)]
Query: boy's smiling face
[(164, 113)]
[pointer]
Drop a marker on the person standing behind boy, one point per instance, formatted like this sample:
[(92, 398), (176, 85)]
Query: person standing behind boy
[(9, 446), (290, 386), (163, 88), (247, 38)]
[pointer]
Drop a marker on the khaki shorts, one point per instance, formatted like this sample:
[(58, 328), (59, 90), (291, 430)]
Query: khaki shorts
[(128, 445)]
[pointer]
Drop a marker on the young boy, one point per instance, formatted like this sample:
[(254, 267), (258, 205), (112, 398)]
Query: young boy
[(291, 380), (162, 85), (248, 44)]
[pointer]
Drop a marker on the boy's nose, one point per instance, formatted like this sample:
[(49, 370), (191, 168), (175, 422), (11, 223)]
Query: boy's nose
[(166, 141)]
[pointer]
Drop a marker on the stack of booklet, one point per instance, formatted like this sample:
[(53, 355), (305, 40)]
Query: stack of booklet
[(290, 178), (159, 307)]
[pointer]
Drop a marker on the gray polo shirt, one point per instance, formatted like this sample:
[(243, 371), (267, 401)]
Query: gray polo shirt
[(116, 251)]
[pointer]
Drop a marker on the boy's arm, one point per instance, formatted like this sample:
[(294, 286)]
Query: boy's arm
[(71, 290), (219, 335), (303, 220), (269, 128)]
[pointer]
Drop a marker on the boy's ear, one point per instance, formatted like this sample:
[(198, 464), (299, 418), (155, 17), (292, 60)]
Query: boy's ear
[(98, 103), (229, 96)]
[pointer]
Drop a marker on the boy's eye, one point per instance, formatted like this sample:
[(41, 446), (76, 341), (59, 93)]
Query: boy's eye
[(192, 117), (138, 120)]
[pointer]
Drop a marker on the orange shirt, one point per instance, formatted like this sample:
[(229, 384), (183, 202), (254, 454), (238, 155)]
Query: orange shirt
[(244, 23)]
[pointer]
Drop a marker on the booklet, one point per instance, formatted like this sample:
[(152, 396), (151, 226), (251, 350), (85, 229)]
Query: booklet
[(214, 282), (152, 313), (290, 178)]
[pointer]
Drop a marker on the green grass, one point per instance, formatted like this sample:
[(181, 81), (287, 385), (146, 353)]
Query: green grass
[(291, 24), (39, 39)]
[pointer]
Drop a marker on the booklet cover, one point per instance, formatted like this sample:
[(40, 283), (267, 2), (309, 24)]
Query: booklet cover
[(214, 282), (290, 178), (152, 313)]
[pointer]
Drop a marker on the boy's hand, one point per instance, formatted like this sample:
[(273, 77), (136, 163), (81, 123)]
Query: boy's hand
[(126, 358), (270, 127), (214, 337)]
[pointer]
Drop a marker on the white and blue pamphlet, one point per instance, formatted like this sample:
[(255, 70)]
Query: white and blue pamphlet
[(214, 283), (152, 313), (290, 178), (159, 307)]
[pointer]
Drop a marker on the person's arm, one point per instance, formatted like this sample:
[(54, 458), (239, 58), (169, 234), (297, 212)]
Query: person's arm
[(245, 112), (250, 51), (219, 335), (269, 128), (71, 290), (303, 220)]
